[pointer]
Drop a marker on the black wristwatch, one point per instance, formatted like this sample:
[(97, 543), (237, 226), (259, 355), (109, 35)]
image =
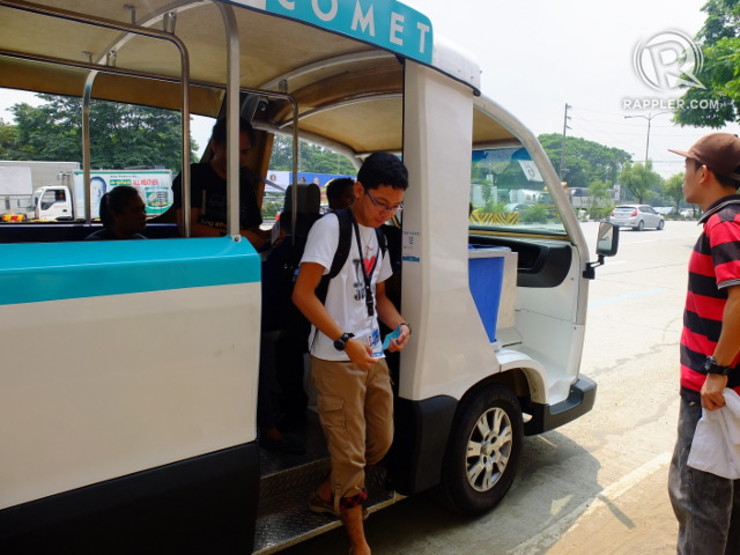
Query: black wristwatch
[(711, 367), (341, 343)]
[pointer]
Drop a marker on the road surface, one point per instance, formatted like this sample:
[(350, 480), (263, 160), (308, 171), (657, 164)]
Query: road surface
[(596, 485)]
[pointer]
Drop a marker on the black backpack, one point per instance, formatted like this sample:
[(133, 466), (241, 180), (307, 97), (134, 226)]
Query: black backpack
[(280, 271)]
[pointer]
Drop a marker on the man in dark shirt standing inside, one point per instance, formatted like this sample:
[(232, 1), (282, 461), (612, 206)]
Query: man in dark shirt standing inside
[(208, 190), (707, 506)]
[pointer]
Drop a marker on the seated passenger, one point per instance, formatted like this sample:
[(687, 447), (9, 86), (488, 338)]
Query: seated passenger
[(123, 215), (340, 192)]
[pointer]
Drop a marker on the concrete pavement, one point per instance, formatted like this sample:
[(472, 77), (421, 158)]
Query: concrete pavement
[(632, 517)]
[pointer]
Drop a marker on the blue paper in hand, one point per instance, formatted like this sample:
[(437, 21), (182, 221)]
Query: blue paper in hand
[(388, 338)]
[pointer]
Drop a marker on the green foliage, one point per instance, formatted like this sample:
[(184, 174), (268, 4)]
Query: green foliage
[(480, 173), (497, 168), (282, 154), (512, 177), (599, 191), (600, 212), (535, 214), (8, 141), (311, 158), (494, 207), (486, 192), (719, 40), (640, 180), (271, 208), (585, 161), (121, 135), (672, 189), (601, 204)]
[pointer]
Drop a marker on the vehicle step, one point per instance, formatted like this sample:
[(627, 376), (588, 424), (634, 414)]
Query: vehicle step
[(308, 472), (283, 517)]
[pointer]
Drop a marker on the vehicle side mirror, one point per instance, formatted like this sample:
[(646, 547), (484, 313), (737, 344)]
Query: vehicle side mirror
[(607, 242)]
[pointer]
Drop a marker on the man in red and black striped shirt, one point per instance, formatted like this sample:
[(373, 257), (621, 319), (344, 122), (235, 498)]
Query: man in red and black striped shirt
[(708, 506)]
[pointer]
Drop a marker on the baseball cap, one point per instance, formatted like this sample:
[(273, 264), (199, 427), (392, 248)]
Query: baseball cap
[(720, 152)]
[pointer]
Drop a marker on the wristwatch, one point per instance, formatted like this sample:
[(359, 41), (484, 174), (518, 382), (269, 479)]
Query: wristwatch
[(711, 367), (341, 343)]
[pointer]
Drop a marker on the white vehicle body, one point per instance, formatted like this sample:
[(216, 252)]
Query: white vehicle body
[(60, 203), (16, 188), (137, 419), (21, 180), (525, 196), (637, 216)]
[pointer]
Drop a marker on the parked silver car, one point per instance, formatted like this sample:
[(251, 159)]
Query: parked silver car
[(636, 216)]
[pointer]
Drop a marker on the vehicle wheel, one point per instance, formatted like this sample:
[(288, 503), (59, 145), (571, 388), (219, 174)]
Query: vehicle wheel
[(483, 451), (661, 225), (641, 225)]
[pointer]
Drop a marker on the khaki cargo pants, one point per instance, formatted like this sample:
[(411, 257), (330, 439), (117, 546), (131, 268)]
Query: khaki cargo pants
[(356, 414)]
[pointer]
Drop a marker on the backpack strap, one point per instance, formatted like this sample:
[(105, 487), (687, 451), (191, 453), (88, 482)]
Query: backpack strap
[(340, 255), (381, 239), (345, 242), (345, 218)]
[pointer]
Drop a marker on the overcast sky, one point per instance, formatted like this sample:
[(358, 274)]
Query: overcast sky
[(536, 55)]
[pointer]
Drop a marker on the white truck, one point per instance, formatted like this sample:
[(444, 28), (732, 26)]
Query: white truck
[(528, 196), (135, 422), (65, 201), (16, 191), (20, 179)]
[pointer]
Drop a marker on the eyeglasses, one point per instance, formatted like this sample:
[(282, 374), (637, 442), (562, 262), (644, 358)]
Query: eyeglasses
[(383, 206)]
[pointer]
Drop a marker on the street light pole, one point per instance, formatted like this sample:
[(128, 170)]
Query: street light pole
[(649, 119)]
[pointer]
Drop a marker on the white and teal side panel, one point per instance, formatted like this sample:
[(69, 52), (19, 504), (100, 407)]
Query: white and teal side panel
[(121, 356)]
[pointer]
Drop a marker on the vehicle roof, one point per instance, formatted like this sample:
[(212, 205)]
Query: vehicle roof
[(348, 91)]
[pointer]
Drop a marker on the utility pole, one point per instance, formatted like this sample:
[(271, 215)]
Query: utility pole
[(649, 118), (566, 117)]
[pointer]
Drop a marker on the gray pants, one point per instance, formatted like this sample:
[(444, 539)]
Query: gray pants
[(707, 506)]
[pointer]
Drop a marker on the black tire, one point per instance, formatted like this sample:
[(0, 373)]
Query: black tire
[(641, 225), (661, 225), (483, 451)]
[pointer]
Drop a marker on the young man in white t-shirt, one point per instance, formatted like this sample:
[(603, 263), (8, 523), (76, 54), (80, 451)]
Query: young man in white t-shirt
[(348, 367)]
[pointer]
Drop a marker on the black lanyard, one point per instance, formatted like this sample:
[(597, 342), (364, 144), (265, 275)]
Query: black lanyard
[(366, 276)]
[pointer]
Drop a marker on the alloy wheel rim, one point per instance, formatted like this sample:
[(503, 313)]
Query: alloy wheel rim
[(488, 449)]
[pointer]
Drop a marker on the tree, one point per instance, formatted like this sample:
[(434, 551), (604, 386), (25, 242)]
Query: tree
[(672, 187), (8, 141), (585, 161), (719, 40), (535, 214), (311, 158), (121, 135), (601, 203), (639, 180), (487, 194)]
